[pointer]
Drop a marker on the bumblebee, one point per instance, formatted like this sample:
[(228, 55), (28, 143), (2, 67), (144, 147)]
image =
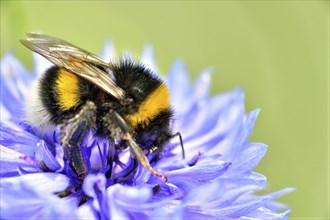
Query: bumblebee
[(124, 102)]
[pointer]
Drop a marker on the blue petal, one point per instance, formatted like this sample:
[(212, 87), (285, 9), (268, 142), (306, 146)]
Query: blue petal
[(18, 140), (217, 195), (249, 122), (148, 58), (243, 179), (10, 161), (94, 186), (15, 80), (10, 103), (168, 191), (43, 182), (53, 163), (121, 200), (41, 64), (170, 210), (202, 85), (221, 112), (263, 213), (201, 196), (232, 211), (108, 52), (128, 196), (239, 209), (230, 195), (92, 183), (280, 193), (86, 211), (179, 87), (248, 158), (99, 155), (142, 175), (242, 135), (11, 66), (21, 200), (189, 178), (217, 131), (274, 206)]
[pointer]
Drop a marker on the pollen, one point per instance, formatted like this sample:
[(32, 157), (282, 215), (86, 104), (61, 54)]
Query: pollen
[(153, 105), (67, 85)]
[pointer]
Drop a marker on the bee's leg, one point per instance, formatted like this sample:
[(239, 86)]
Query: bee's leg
[(118, 128), (139, 155), (71, 140), (77, 162), (181, 143), (165, 136), (86, 115), (62, 134), (110, 158)]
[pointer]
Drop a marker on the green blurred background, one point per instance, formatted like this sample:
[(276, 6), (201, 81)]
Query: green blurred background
[(276, 50)]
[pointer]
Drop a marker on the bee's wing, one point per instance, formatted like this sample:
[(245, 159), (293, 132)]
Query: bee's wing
[(75, 60)]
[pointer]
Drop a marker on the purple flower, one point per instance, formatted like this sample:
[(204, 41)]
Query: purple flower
[(216, 180)]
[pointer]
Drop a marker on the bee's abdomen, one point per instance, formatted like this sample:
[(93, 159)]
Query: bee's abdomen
[(59, 93), (56, 96)]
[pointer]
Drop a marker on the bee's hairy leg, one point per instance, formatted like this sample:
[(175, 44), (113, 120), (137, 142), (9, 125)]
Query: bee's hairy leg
[(71, 140), (77, 162), (118, 128), (86, 116), (110, 159), (62, 134), (139, 155)]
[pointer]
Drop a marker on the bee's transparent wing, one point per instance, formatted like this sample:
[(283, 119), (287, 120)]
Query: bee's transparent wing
[(75, 60)]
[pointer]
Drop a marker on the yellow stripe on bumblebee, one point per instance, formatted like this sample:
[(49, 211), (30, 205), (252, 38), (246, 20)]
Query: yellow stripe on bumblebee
[(67, 85)]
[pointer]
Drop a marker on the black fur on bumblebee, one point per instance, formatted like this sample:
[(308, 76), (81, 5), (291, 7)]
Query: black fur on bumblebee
[(125, 102)]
